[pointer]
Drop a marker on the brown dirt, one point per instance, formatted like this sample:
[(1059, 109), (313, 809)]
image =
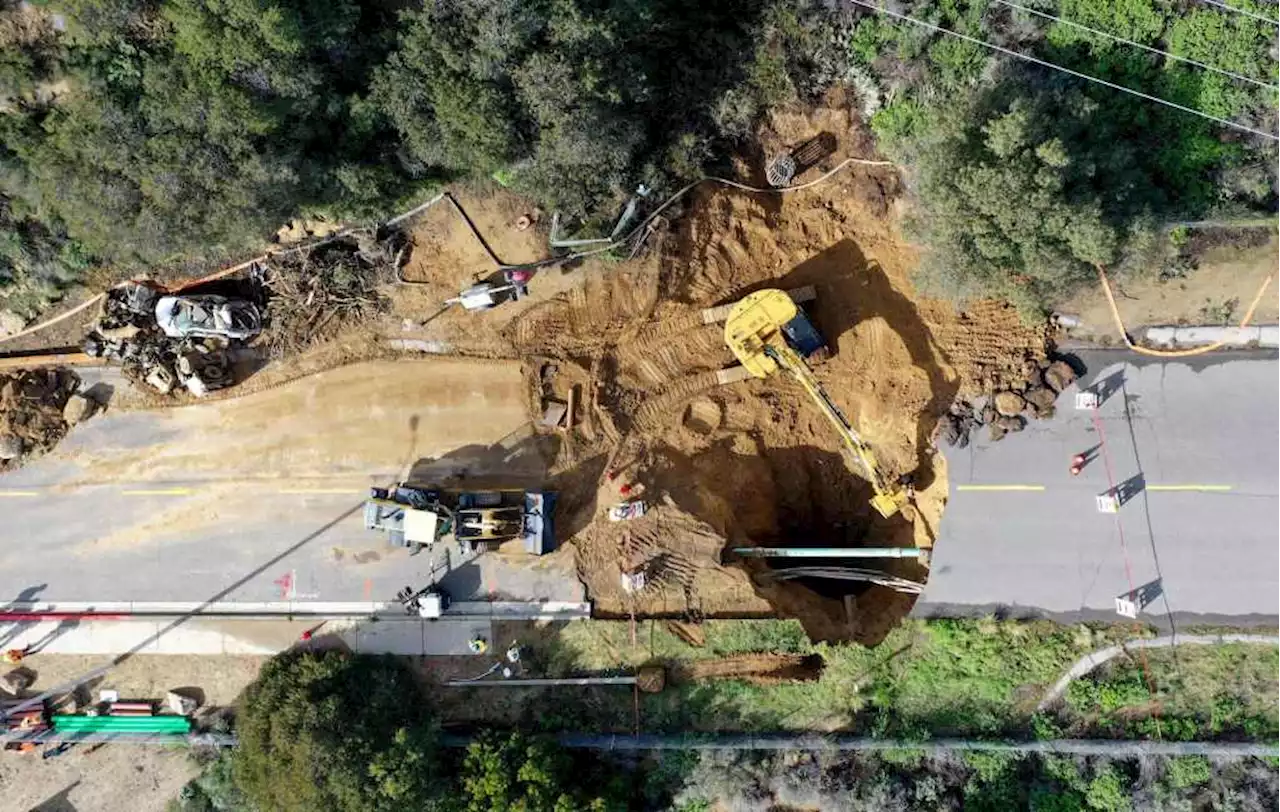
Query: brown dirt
[(122, 778), (31, 403), (751, 463), (350, 421), (758, 669), (1224, 274)]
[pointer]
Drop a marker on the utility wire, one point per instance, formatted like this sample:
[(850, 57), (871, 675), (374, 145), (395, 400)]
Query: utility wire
[(1077, 74), (1138, 45), (1242, 11)]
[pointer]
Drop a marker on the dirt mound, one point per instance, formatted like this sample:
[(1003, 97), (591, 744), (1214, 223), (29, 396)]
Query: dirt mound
[(31, 412), (758, 669), (679, 557), (741, 464)]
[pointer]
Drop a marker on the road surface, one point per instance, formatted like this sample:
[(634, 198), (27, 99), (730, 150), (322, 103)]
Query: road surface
[(1193, 446), (258, 498)]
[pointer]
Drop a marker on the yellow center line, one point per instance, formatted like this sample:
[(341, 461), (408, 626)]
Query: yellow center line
[(999, 487), (18, 493), (159, 492), (1188, 487), (342, 491)]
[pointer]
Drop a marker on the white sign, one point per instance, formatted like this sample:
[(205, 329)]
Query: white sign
[(1126, 608), (1086, 400), (1107, 503)]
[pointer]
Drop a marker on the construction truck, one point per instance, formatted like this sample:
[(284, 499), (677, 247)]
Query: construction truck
[(418, 516), (767, 332)]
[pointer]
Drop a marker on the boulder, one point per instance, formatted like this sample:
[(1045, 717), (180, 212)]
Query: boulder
[(11, 323), (10, 446), (1041, 398), (181, 703), (16, 681), (1011, 423), (1059, 375), (1009, 403), (988, 415), (78, 408)]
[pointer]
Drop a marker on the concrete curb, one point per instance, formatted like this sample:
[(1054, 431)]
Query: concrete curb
[(274, 610), (1175, 336), (1094, 659)]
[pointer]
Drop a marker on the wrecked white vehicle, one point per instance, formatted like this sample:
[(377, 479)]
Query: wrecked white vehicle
[(207, 317)]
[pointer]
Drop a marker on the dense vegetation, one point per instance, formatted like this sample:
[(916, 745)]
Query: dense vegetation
[(152, 130), (980, 678), (1027, 177), (335, 732), (142, 132), (974, 782)]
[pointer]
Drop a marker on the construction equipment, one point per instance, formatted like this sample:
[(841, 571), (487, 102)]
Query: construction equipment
[(767, 331), (416, 516), (428, 603)]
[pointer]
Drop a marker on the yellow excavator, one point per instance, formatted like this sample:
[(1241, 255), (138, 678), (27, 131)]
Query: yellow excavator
[(767, 332)]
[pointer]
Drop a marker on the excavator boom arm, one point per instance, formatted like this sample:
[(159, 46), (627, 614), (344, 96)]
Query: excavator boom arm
[(790, 360), (757, 331)]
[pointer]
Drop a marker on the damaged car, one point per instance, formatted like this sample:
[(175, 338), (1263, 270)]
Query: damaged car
[(207, 316)]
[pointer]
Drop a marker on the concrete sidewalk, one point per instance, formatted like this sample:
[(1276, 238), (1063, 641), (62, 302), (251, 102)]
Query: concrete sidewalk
[(210, 636)]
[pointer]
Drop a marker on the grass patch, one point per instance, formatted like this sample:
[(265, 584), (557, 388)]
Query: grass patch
[(928, 678)]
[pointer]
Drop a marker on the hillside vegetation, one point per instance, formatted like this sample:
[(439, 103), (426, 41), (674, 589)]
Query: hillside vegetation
[(139, 133)]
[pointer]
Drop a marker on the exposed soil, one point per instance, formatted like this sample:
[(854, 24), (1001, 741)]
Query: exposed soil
[(752, 463), (31, 405), (758, 669), (123, 777), (376, 416), (1217, 292), (719, 466)]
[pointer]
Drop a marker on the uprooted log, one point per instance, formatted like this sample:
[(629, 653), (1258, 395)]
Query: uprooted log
[(313, 296)]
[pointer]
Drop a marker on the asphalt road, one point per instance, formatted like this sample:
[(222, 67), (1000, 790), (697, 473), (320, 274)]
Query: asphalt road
[(207, 510), (1193, 443)]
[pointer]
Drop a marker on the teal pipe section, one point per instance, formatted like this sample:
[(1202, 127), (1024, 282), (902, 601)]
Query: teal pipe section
[(827, 552), (114, 724)]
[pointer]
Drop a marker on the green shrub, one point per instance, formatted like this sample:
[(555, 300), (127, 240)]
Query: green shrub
[(1188, 771), (335, 732)]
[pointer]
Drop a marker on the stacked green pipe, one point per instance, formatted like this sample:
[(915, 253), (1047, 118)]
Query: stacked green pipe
[(64, 723)]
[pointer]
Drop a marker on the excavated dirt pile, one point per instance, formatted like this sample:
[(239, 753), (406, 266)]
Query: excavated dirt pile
[(623, 349), (754, 463), (31, 412)]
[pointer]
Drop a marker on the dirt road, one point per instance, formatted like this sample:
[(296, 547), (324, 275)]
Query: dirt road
[(364, 418), (261, 495)]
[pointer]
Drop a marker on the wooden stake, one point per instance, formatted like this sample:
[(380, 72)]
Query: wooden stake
[(573, 402)]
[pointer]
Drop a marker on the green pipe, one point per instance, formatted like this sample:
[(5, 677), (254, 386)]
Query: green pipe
[(827, 552), (110, 726), (122, 723), (114, 721)]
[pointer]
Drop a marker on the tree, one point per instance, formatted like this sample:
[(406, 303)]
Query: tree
[(336, 732), (517, 774)]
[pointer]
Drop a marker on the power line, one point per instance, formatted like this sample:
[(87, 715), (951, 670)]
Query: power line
[(1242, 11), (1138, 45), (1077, 74)]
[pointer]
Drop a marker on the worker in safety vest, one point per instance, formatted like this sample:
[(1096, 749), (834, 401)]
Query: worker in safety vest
[(14, 655)]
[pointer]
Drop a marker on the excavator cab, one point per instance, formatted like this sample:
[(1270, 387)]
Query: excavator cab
[(767, 331)]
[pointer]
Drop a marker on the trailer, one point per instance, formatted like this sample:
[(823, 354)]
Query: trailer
[(418, 516)]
